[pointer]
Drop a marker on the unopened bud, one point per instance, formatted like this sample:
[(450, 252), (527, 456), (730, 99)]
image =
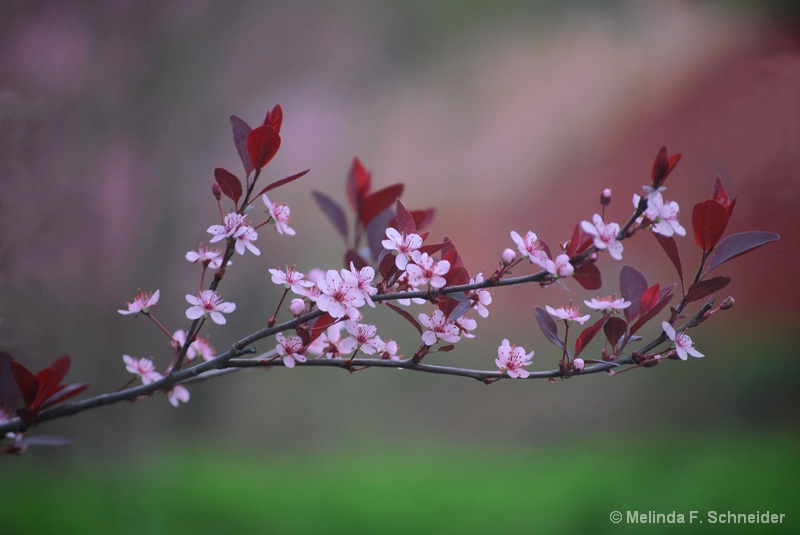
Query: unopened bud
[(508, 256), (578, 364), (728, 303), (216, 191), (297, 306), (605, 197)]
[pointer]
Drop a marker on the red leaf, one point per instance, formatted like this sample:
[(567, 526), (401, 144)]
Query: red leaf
[(589, 277), (632, 285), (26, 381), (663, 299), (228, 184), (663, 166), (240, 132), (274, 118), (378, 201), (322, 323), (404, 313), (720, 194), (649, 298), (63, 394), (358, 184), (548, 326), (739, 244), (671, 248), (281, 182), (404, 221), (709, 219), (352, 257), (614, 329), (334, 212), (588, 333), (704, 288), (376, 231), (423, 218), (262, 144), (579, 242)]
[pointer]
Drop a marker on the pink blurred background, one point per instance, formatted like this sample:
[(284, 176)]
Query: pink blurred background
[(113, 116)]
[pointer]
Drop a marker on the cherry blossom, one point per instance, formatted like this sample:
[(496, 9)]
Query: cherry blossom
[(142, 303), (438, 328), (235, 226), (512, 360), (608, 305), (199, 348), (291, 278), (177, 394), (663, 215), (361, 279), (364, 336), (530, 247), (426, 270), (142, 367), (208, 257), (402, 245), (561, 267), (683, 344), (338, 298), (568, 314), (481, 298), (331, 345), (605, 235), (208, 304), (281, 214), (466, 326), (389, 351), (291, 350)]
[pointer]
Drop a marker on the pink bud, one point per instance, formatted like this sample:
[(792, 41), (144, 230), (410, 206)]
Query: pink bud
[(728, 303), (509, 255), (578, 364), (297, 306), (605, 197), (216, 191)]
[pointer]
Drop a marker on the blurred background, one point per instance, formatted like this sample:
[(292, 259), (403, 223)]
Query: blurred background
[(501, 115)]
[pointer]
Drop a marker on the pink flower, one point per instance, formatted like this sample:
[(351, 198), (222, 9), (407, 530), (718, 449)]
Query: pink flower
[(291, 278), (530, 247), (208, 257), (390, 351), (362, 281), (143, 367), (338, 298), (426, 270), (402, 245), (142, 303), (663, 215), (569, 313), (297, 306), (512, 360), (331, 345), (235, 226), (281, 214), (291, 350), (466, 326), (481, 298), (605, 235), (208, 303), (438, 328), (608, 305), (199, 348), (176, 394), (683, 344), (364, 336), (562, 267)]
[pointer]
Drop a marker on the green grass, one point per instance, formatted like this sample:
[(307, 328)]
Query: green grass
[(561, 488)]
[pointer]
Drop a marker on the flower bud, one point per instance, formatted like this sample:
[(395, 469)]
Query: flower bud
[(727, 303), (605, 197), (578, 364), (216, 191), (508, 256), (297, 307)]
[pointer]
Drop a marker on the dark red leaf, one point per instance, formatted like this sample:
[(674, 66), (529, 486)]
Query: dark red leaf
[(281, 182), (376, 231), (407, 315), (579, 242), (9, 391), (720, 194), (228, 184), (671, 248), (704, 288), (378, 201), (240, 132), (322, 323), (334, 212), (614, 329), (274, 118), (588, 334), (739, 244), (63, 394), (386, 265), (663, 166), (423, 218), (262, 145), (665, 296), (649, 298), (26, 381), (358, 184), (632, 285), (548, 326), (589, 277), (709, 219), (352, 257), (459, 309), (404, 220)]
